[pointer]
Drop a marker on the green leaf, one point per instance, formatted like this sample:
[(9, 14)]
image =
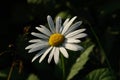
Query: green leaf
[(80, 62), (3, 74), (33, 77), (100, 74)]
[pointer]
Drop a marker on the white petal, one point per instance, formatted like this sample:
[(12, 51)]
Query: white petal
[(34, 40), (51, 24), (58, 24), (66, 27), (75, 33), (38, 54), (37, 40), (56, 55), (43, 30), (81, 35), (66, 21), (73, 47), (34, 45), (39, 35), (72, 40), (61, 29), (74, 27), (51, 55), (64, 52), (37, 48), (44, 54)]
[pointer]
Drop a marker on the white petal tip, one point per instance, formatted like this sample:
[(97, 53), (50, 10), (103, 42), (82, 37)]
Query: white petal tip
[(32, 33), (48, 16), (29, 41), (32, 61), (84, 29), (40, 61), (56, 62), (29, 51), (59, 17), (67, 56), (75, 17), (36, 27), (41, 25), (27, 48), (85, 35), (48, 62)]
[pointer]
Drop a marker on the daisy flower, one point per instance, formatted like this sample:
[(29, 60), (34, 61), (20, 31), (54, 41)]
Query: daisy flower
[(56, 39)]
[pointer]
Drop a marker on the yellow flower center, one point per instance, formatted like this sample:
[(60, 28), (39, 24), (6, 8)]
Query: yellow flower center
[(56, 39)]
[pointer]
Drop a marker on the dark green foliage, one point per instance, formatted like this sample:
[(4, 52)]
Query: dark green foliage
[(100, 74)]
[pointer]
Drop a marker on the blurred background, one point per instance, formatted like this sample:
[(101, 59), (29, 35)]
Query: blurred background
[(19, 17)]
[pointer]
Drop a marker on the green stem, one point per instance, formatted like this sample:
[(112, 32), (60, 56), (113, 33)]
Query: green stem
[(63, 67), (100, 46)]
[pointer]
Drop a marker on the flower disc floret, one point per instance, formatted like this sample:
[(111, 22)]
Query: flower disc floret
[(56, 39)]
